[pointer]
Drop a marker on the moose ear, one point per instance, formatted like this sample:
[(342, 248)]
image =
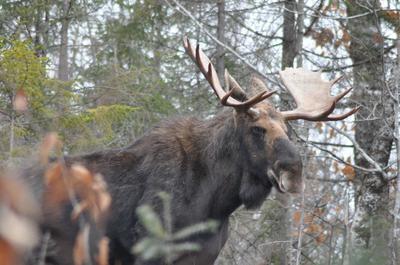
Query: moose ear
[(257, 85), (231, 84)]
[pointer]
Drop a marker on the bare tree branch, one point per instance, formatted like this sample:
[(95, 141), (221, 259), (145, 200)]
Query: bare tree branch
[(361, 150), (181, 9)]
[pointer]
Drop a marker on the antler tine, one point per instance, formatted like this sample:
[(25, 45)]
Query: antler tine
[(208, 70), (312, 96), (338, 117), (341, 95), (259, 97), (205, 68), (337, 79)]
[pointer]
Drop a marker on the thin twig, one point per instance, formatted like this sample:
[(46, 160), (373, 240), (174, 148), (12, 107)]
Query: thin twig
[(361, 150), (337, 158)]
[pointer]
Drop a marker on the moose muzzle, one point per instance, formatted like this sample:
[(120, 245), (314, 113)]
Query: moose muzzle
[(287, 167)]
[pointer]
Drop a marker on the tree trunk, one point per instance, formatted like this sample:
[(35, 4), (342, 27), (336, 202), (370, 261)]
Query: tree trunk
[(63, 58), (395, 248), (221, 37), (300, 32), (289, 34), (281, 254), (373, 130)]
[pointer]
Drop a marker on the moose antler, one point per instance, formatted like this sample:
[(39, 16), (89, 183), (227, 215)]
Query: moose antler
[(312, 96), (206, 67)]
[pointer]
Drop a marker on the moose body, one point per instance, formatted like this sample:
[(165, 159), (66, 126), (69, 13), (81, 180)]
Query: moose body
[(209, 167)]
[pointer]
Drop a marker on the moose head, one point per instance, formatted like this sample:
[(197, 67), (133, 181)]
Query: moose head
[(272, 157)]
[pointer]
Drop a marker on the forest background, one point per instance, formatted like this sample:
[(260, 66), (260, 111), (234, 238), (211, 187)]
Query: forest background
[(101, 72)]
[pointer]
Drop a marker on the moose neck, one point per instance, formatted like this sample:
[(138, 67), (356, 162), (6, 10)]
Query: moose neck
[(222, 155), (222, 139), (229, 167)]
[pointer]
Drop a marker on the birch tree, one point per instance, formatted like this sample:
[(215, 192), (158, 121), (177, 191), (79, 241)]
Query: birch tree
[(373, 129)]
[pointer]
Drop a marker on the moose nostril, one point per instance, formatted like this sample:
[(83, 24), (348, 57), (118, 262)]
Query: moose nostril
[(286, 165)]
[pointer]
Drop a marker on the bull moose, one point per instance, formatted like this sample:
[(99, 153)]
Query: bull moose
[(210, 167)]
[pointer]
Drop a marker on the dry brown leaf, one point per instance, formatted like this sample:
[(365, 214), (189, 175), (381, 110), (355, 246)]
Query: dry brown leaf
[(8, 255), (50, 142), (393, 15), (338, 209), (319, 211), (92, 191), (313, 228), (80, 247), (53, 174), (319, 126), (82, 175), (18, 220), (377, 38), (323, 37), (335, 167), (102, 257), (349, 173), (321, 238), (17, 196), (297, 217), (56, 189), (337, 43), (346, 37), (104, 202), (308, 218), (331, 133), (20, 101)]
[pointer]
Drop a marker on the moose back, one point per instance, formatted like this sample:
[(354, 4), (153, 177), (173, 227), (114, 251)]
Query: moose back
[(210, 167)]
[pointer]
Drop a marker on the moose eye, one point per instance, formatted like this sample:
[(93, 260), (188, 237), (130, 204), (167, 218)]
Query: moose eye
[(258, 131)]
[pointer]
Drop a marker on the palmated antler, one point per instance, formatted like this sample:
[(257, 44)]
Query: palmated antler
[(206, 67), (312, 96)]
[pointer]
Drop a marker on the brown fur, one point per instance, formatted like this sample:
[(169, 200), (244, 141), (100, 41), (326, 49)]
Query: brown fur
[(209, 167)]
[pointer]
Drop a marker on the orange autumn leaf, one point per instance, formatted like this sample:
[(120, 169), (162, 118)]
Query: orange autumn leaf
[(56, 189), (313, 229), (337, 43), (346, 38), (307, 218), (323, 37), (20, 101), (8, 254), (82, 175), (319, 125), (331, 133), (377, 38), (102, 257), (49, 143), (321, 238), (336, 167), (349, 172), (80, 247), (297, 217), (319, 211)]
